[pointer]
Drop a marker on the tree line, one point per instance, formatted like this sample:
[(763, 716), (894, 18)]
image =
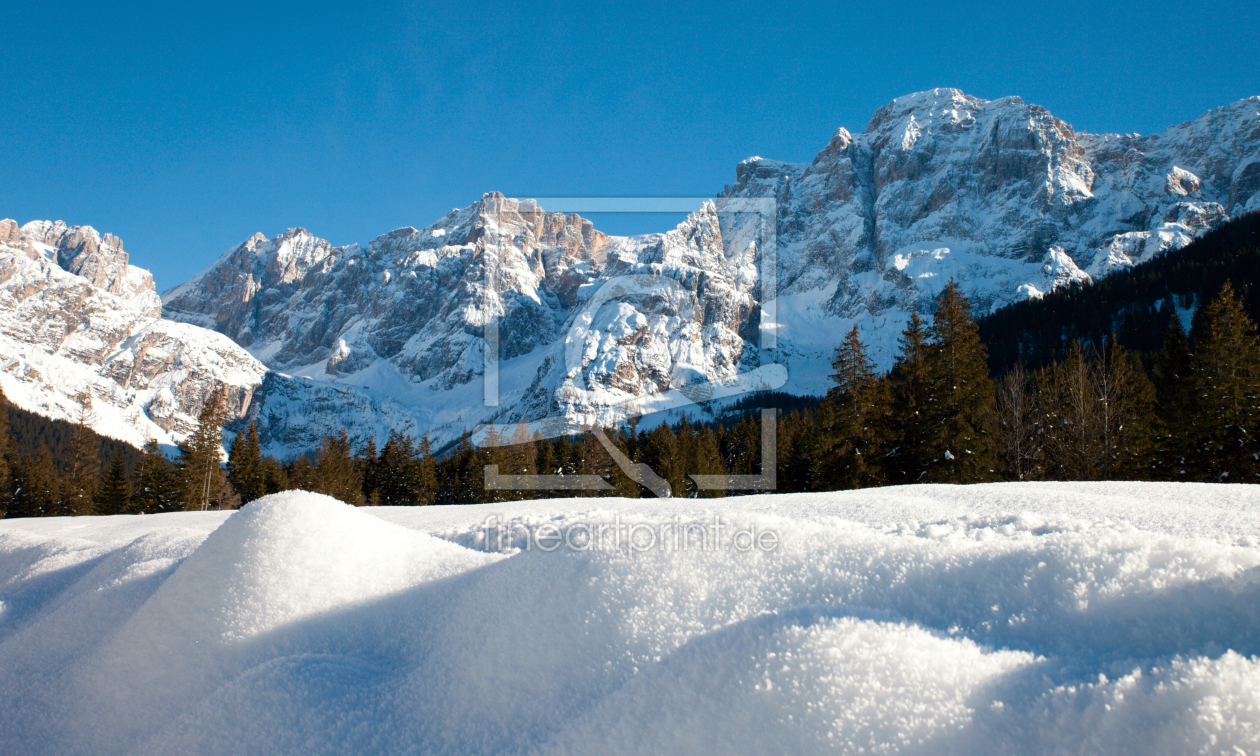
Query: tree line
[(1094, 413)]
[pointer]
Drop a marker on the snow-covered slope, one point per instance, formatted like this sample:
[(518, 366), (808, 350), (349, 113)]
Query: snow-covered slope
[(1001, 196), (75, 315), (1111, 618)]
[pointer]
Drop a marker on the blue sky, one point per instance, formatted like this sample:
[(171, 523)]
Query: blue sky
[(184, 127)]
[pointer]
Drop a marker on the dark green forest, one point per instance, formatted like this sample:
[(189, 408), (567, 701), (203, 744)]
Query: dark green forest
[(1136, 305), (1097, 382)]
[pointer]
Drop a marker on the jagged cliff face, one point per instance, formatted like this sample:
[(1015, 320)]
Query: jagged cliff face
[(416, 298), (404, 317), (994, 193), (75, 315), (999, 195)]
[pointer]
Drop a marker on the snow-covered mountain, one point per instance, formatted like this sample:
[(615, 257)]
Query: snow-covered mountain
[(999, 195), (75, 315)]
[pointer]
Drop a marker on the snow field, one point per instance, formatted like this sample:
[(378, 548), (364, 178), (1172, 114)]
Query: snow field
[(1007, 618)]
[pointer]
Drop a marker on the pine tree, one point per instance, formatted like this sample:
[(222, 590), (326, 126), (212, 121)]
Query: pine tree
[(960, 413), (393, 471), (423, 473), (493, 452), (708, 461), (368, 465), (465, 476), (300, 475), (155, 491), (36, 487), (200, 456), (244, 466), (337, 472), (80, 482), (114, 495), (907, 430), (1072, 428), (1176, 405), (517, 458), (1226, 369), (626, 441), (661, 453), (6, 453), (802, 448), (275, 479), (851, 417)]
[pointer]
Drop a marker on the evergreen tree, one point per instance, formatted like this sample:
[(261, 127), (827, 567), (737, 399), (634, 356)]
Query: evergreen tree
[(853, 412), (1176, 405), (1226, 369), (244, 466), (1073, 438), (300, 474), (802, 450), (518, 458), (114, 495), (368, 465), (423, 473), (275, 479), (907, 430), (6, 453), (393, 471), (463, 480), (79, 485), (337, 472), (36, 488), (155, 491), (960, 413), (661, 453), (494, 452), (708, 461), (200, 456), (626, 442)]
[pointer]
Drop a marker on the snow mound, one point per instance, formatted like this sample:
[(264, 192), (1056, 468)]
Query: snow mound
[(1009, 618), (293, 555)]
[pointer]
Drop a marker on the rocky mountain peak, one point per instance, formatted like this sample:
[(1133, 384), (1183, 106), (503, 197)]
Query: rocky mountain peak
[(85, 252)]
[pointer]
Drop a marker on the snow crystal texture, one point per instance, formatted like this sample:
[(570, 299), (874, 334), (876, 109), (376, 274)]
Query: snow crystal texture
[(1007, 619)]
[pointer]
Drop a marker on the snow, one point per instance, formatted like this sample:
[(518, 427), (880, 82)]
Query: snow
[(1008, 618)]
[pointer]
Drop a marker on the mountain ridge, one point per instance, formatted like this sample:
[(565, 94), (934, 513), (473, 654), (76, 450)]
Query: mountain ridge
[(1000, 195)]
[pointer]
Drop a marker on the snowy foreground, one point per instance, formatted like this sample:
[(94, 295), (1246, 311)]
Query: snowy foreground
[(1005, 619)]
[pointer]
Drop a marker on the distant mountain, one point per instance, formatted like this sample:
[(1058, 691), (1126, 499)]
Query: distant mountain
[(1000, 195)]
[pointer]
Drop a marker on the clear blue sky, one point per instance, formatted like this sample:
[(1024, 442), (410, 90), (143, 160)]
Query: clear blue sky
[(186, 127)]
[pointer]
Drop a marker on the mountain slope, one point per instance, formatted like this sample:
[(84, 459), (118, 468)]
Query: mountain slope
[(96, 325), (1000, 195)]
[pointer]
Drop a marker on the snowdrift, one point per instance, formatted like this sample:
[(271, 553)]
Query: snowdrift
[(1004, 619)]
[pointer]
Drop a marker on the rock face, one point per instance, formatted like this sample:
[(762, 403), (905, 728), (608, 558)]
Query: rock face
[(999, 195), (404, 317), (75, 315), (999, 185)]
